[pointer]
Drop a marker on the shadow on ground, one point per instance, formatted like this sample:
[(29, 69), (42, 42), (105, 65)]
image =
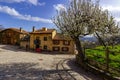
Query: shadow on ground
[(11, 48), (86, 74), (26, 71)]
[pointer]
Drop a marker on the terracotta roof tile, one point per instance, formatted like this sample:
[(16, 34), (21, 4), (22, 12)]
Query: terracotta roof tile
[(44, 31), (17, 30), (60, 36)]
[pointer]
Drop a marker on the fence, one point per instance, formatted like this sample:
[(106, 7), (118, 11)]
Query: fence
[(104, 60)]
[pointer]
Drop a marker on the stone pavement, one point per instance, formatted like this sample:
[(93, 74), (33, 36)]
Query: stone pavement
[(17, 64)]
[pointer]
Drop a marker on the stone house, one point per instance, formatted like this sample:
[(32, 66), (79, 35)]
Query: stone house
[(50, 40), (25, 41), (12, 36)]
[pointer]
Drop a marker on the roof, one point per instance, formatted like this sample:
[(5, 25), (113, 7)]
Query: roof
[(1, 30), (16, 30), (60, 36), (26, 38), (43, 31)]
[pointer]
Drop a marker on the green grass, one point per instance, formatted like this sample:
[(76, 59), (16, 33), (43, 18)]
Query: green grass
[(98, 54)]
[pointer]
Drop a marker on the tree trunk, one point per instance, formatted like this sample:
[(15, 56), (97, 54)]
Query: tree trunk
[(80, 57), (100, 40)]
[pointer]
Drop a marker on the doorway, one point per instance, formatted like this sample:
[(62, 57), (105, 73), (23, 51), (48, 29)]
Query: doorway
[(9, 41)]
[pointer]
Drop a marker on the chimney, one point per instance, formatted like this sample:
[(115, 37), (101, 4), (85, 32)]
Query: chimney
[(33, 29), (20, 29), (44, 29)]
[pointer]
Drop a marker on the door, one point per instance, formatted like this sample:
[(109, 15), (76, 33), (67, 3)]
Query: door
[(9, 41)]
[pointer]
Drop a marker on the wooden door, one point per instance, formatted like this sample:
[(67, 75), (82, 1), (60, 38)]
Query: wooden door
[(9, 41)]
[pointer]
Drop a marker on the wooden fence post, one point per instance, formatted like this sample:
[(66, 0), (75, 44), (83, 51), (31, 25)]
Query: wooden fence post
[(107, 59), (84, 53)]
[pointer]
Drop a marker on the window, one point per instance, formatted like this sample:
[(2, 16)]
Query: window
[(65, 49), (56, 42), (37, 41), (66, 42), (56, 48), (45, 47), (45, 38)]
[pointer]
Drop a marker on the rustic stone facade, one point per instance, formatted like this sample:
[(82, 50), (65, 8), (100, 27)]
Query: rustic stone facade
[(12, 36), (45, 39)]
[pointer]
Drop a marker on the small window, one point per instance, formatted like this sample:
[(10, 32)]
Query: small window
[(56, 42), (56, 48), (65, 49), (45, 47), (45, 38), (37, 41), (66, 42)]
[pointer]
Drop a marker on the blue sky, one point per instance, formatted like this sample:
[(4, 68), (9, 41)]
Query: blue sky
[(38, 13)]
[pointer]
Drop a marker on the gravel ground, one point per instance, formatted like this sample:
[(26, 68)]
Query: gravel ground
[(17, 64)]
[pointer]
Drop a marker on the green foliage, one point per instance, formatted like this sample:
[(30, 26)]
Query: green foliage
[(115, 65), (98, 54)]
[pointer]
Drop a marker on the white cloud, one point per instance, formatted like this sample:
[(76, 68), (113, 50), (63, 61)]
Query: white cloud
[(117, 19), (111, 8), (33, 2), (41, 4), (10, 11), (114, 10), (59, 7), (16, 14)]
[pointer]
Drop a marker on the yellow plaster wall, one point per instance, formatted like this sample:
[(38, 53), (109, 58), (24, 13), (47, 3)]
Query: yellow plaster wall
[(71, 47), (49, 42), (24, 43), (54, 33), (41, 37)]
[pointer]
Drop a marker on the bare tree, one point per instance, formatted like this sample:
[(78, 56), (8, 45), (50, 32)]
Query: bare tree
[(81, 18)]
